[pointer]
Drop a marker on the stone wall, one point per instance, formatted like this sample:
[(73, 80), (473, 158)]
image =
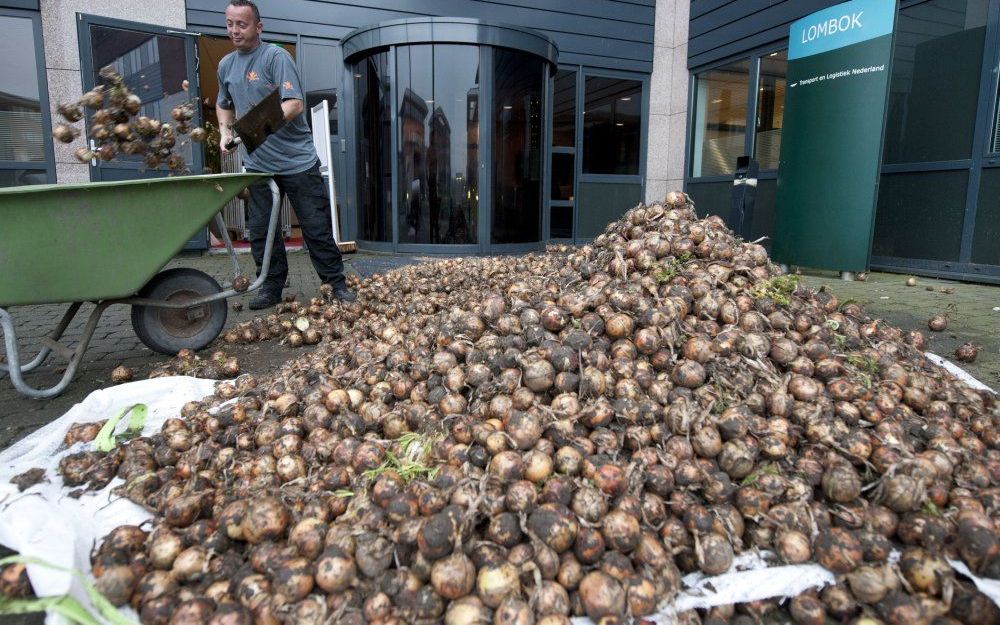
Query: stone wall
[(668, 100)]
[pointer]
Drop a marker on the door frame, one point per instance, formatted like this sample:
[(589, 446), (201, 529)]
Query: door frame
[(48, 165), (87, 70)]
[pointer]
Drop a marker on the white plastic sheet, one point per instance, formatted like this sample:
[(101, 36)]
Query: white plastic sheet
[(45, 523), (957, 371)]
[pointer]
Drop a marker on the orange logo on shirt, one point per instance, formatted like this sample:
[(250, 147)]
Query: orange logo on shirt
[(288, 85), (252, 76)]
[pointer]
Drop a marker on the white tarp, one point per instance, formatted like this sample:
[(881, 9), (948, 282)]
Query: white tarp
[(45, 523)]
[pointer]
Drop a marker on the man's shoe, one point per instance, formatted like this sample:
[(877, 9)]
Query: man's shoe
[(264, 299), (344, 294)]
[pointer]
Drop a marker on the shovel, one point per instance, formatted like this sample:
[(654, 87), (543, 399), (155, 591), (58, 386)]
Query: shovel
[(256, 125)]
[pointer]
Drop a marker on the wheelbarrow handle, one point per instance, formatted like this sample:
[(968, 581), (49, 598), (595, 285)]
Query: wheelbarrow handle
[(272, 228)]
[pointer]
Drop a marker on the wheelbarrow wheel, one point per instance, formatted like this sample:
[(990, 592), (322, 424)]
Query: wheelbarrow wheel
[(169, 330)]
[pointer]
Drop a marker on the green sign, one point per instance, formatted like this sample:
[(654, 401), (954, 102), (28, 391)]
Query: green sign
[(831, 139)]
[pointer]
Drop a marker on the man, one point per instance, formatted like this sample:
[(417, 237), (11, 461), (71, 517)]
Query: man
[(246, 76)]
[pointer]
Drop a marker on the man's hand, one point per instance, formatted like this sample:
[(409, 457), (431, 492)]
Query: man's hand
[(225, 117), (224, 146)]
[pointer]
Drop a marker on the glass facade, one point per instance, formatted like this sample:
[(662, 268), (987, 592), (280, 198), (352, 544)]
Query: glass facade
[(937, 208), (720, 119), (437, 131), (935, 77), (562, 173), (372, 107), (612, 126), (517, 147), (437, 107), (936, 63), (770, 109), (23, 132)]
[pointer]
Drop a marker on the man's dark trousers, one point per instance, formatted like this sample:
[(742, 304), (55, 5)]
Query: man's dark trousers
[(310, 201)]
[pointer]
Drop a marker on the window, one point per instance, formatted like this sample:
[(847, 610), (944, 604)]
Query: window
[(720, 119), (934, 90), (22, 134), (517, 146), (563, 170), (154, 67), (770, 108), (437, 104), (612, 116), (374, 171), (564, 109), (319, 80)]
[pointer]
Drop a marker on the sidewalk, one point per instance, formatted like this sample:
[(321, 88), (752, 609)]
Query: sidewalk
[(976, 316), (883, 295)]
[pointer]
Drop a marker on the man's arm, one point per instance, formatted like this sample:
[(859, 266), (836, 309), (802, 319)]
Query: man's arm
[(226, 117), (286, 76), (292, 108), (224, 109)]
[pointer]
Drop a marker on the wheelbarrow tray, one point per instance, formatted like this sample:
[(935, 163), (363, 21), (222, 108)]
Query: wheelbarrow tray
[(103, 240)]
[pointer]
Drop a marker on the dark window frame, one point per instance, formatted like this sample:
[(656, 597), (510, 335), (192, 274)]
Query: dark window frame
[(48, 165), (642, 116), (750, 133), (551, 150)]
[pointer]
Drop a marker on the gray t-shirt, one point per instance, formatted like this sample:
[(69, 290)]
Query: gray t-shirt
[(245, 78)]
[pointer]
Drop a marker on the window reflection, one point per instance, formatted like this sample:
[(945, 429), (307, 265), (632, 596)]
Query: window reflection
[(934, 92), (320, 80), (720, 119), (770, 108), (517, 147), (374, 145), (154, 68), (438, 114), (21, 134), (562, 176), (564, 109), (612, 116)]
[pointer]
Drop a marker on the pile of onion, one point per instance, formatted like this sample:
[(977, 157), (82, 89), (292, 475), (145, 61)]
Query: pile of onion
[(518, 440)]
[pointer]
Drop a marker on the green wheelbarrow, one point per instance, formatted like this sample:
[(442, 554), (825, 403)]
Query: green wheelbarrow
[(107, 243)]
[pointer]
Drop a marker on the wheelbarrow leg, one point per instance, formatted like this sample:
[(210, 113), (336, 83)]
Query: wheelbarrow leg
[(14, 369), (53, 337), (224, 234)]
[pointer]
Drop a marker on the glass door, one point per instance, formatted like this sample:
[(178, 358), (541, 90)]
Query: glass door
[(160, 66), (562, 192), (939, 144)]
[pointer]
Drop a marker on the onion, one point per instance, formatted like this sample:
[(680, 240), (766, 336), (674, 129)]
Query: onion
[(837, 550), (454, 576), (496, 582), (602, 595), (966, 352), (265, 519), (938, 323), (335, 571)]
